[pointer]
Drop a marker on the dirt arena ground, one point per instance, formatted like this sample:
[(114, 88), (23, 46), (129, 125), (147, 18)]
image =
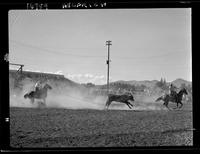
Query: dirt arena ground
[(59, 127)]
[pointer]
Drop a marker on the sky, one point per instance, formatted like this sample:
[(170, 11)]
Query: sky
[(147, 44)]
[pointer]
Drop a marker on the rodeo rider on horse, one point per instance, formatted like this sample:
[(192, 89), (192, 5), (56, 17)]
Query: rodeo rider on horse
[(39, 85), (172, 90)]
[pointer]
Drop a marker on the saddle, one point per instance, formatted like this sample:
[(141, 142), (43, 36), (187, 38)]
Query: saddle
[(37, 90)]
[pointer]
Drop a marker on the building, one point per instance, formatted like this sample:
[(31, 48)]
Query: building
[(37, 74)]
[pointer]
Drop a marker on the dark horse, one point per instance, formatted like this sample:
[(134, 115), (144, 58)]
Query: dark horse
[(177, 98), (39, 94), (120, 98)]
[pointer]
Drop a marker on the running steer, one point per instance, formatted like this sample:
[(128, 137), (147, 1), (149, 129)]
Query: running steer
[(120, 98)]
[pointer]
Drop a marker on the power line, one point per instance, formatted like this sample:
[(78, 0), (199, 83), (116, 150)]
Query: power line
[(149, 57), (91, 56), (53, 51)]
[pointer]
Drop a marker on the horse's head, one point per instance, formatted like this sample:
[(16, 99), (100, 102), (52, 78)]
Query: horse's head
[(47, 86), (131, 96), (184, 91)]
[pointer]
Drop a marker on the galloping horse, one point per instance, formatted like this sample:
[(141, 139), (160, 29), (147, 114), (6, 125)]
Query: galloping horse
[(39, 94), (120, 98), (177, 98)]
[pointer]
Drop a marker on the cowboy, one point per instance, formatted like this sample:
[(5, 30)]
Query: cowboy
[(172, 90), (38, 85)]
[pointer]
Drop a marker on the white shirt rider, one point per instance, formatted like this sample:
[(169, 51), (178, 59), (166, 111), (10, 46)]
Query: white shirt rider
[(38, 85)]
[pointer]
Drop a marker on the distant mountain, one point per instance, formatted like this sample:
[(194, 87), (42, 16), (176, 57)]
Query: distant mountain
[(179, 82), (152, 83), (61, 81), (147, 83)]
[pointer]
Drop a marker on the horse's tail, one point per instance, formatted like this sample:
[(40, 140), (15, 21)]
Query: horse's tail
[(160, 98)]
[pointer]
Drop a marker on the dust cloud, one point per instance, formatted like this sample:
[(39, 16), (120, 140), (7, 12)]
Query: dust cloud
[(78, 98), (65, 97), (74, 101)]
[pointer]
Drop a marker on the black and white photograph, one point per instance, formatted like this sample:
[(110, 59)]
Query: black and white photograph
[(100, 78)]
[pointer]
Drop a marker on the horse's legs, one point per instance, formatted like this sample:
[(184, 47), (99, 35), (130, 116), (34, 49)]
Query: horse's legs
[(166, 104), (108, 102), (130, 104), (107, 105), (176, 105), (127, 103), (44, 102), (181, 104)]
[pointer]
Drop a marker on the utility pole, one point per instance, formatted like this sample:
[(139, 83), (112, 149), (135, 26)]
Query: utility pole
[(20, 69), (108, 43)]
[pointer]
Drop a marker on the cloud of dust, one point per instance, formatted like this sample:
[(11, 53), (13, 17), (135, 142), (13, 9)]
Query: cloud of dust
[(17, 96), (74, 100), (148, 102), (65, 96)]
